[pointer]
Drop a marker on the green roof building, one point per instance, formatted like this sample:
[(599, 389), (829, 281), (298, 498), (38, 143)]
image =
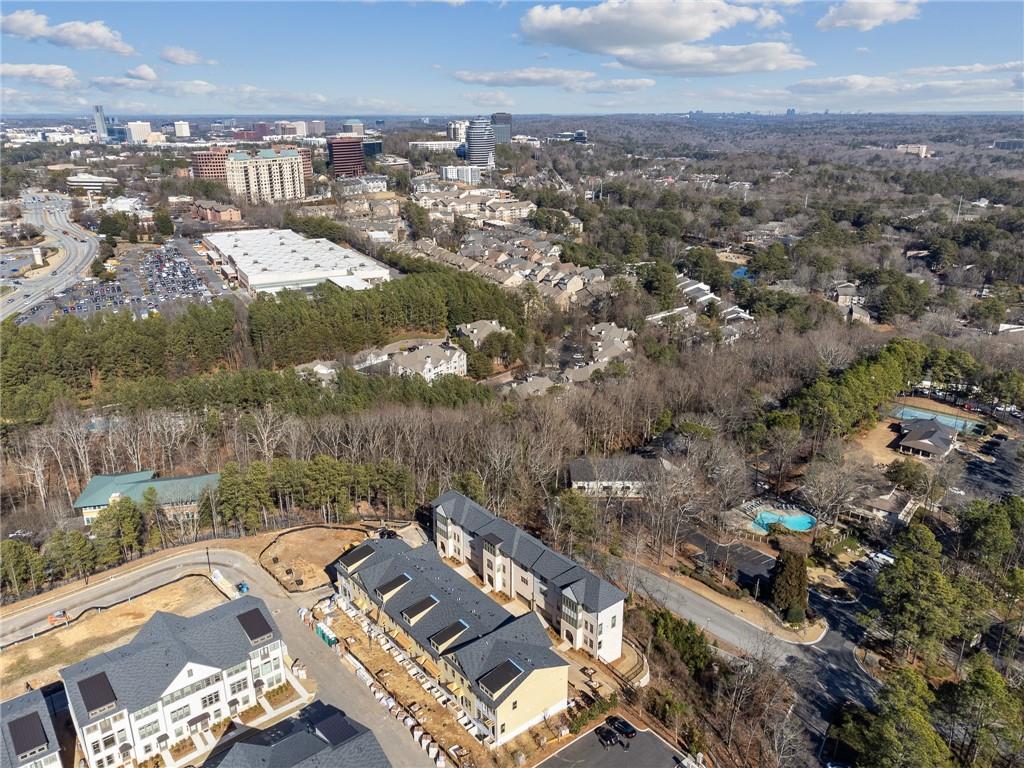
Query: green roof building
[(177, 495)]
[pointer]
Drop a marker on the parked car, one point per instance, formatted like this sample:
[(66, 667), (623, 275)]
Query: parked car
[(621, 725), (607, 736)]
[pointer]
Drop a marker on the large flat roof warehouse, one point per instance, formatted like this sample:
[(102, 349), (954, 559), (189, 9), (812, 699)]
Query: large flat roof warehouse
[(271, 260)]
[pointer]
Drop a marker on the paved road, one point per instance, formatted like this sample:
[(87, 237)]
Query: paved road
[(79, 255), (825, 674), (646, 750), (336, 685)]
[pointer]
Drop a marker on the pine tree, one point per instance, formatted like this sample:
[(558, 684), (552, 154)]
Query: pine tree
[(789, 586)]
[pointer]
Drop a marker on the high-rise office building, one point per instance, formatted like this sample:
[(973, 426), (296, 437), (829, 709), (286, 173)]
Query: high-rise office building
[(352, 126), (138, 131), (317, 127), (304, 152), (101, 123), (181, 129), (457, 130), (209, 164), (265, 177), (261, 130), (345, 155), (502, 124), (480, 142)]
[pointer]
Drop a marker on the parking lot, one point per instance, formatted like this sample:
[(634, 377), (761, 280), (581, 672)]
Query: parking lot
[(646, 750), (147, 280)]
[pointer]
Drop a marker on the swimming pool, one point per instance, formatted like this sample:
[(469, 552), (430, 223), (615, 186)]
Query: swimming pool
[(959, 423), (794, 521)]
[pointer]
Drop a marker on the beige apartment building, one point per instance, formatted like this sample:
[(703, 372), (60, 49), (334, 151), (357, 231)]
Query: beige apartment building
[(500, 668), (265, 177)]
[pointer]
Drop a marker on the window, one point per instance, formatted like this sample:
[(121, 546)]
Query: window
[(502, 727), (108, 741), (181, 713), (95, 746), (599, 643), (239, 685), (613, 621), (149, 729), (122, 736), (210, 699), (600, 629), (145, 712), (524, 580), (515, 705), (149, 749)]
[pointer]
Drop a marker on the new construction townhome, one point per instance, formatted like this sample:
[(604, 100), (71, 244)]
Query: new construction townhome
[(584, 609), (27, 736), (500, 668), (176, 677)]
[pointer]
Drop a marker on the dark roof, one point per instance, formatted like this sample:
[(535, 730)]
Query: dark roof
[(392, 584), (96, 691), (27, 733), (595, 594), (500, 676), (927, 435), (255, 625), (420, 606), (319, 737), (138, 673), (624, 468), (354, 555), (491, 635), (27, 725)]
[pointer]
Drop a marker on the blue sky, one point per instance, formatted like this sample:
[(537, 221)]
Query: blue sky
[(363, 58)]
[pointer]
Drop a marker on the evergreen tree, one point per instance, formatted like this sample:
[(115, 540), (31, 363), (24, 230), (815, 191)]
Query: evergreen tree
[(789, 586)]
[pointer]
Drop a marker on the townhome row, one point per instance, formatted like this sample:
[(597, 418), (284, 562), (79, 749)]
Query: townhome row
[(177, 676), (585, 610), (500, 667)]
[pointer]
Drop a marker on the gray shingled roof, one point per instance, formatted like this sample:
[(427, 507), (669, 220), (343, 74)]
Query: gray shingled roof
[(928, 435), (493, 636), (320, 736), (595, 594), (22, 718), (140, 671), (623, 468)]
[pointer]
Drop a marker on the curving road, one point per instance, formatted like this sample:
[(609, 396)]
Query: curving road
[(336, 685), (51, 215), (825, 674)]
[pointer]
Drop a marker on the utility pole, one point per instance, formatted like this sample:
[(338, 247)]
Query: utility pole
[(209, 567)]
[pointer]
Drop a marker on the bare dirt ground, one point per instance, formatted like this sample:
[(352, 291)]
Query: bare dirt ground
[(874, 443), (37, 661), (306, 553)]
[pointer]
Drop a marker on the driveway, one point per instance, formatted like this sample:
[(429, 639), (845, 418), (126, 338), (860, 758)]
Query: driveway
[(646, 750), (336, 684)]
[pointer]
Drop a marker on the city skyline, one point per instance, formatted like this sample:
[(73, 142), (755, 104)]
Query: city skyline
[(616, 56)]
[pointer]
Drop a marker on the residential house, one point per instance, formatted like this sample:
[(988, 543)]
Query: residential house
[(533, 386), (892, 509), (927, 438), (178, 496), (610, 342), (177, 677), (430, 361), (695, 291), (859, 314), (623, 476), (585, 610), (321, 736), (478, 331), (678, 316), (500, 667), (844, 293), (28, 738), (208, 210)]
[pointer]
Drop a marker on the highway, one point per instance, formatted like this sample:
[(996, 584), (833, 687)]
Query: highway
[(51, 215), (335, 683)]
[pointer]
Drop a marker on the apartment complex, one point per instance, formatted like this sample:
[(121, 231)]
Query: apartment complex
[(467, 174), (27, 736), (584, 609), (457, 130), (304, 152), (501, 667), (177, 496), (440, 145), (345, 155), (430, 361), (177, 676), (210, 164), (265, 177), (212, 211)]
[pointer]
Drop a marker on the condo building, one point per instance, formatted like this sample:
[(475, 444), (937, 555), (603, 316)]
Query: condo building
[(267, 176)]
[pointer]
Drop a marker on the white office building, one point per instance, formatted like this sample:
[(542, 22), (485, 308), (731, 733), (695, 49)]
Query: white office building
[(434, 146), (177, 677), (271, 260), (138, 131), (467, 174), (89, 182), (266, 177), (181, 129), (480, 142), (457, 130)]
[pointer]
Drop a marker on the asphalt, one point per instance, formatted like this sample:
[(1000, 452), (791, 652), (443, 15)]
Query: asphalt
[(825, 674), (79, 255), (1005, 474), (646, 750), (336, 684)]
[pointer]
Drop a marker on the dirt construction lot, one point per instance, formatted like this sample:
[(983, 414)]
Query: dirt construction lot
[(306, 553), (37, 661)]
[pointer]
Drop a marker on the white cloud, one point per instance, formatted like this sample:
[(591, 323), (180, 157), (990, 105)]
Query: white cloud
[(943, 94), (613, 65), (844, 84), (162, 87), (659, 36), (863, 49), (175, 54), (522, 77), (489, 99), (142, 72), (49, 75), (14, 100), (865, 15), (626, 85), (700, 60), (81, 35), (1006, 66)]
